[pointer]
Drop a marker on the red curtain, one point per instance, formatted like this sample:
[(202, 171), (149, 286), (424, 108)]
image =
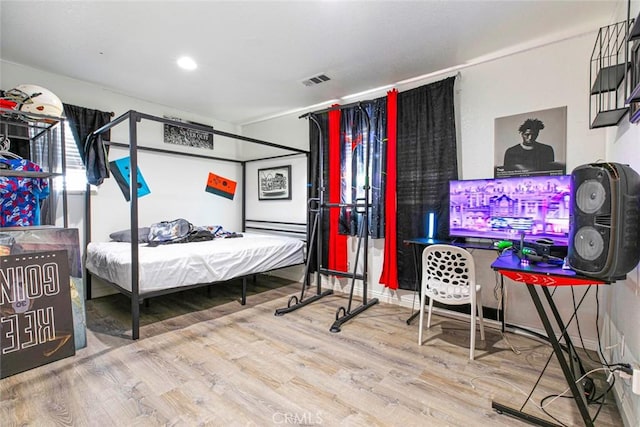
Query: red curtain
[(337, 242), (389, 276)]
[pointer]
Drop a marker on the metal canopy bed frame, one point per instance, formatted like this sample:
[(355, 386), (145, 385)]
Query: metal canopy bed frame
[(133, 118)]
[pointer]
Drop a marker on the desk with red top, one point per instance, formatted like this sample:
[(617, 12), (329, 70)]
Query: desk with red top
[(539, 277)]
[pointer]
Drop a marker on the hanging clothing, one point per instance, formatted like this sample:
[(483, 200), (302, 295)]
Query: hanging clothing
[(93, 151), (96, 159), (21, 196)]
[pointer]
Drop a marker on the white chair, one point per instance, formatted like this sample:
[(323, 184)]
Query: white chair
[(449, 277)]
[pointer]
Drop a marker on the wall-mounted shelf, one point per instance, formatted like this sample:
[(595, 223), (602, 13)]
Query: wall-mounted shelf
[(608, 70), (608, 79), (608, 118)]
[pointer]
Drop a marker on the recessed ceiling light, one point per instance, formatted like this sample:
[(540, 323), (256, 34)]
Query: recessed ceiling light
[(187, 63)]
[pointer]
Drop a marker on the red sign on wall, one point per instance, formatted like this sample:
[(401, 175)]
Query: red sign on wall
[(221, 186)]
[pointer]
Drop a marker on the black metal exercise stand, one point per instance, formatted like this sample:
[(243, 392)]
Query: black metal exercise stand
[(317, 206)]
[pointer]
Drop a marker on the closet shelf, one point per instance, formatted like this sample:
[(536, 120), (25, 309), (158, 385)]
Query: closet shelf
[(35, 120), (29, 174), (40, 140)]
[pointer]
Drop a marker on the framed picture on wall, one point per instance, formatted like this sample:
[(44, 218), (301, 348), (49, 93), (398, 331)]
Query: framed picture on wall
[(529, 144), (274, 183)]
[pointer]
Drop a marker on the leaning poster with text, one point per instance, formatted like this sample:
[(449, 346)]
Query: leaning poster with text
[(36, 322)]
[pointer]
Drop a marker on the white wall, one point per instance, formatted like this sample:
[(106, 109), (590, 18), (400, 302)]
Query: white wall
[(292, 134), (278, 210), (287, 130)]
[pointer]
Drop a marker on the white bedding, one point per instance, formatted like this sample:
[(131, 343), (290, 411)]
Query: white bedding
[(184, 264)]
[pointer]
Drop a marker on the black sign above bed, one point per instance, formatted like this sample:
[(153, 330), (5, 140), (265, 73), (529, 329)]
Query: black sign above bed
[(186, 136)]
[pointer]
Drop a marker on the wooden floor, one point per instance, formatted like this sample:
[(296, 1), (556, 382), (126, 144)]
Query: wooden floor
[(210, 361)]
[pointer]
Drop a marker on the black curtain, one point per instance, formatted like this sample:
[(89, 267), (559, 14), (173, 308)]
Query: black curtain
[(94, 154), (353, 127), (362, 128), (84, 121), (426, 161), (378, 113)]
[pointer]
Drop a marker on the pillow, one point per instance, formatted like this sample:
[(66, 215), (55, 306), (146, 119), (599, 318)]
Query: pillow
[(125, 235)]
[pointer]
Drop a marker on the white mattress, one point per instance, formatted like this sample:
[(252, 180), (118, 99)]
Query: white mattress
[(183, 264)]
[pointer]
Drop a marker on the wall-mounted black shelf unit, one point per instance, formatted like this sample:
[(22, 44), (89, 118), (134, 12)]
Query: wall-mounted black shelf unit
[(608, 70)]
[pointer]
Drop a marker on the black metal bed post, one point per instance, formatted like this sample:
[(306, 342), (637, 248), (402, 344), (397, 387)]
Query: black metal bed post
[(133, 192), (63, 154), (244, 196), (87, 239), (87, 210)]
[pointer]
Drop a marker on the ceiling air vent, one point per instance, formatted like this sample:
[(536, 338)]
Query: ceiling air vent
[(316, 80)]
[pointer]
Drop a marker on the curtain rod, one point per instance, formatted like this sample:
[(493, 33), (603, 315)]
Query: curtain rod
[(340, 107), (337, 107)]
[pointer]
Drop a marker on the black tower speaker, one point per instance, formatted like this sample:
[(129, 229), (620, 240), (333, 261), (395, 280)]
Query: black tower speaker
[(604, 229)]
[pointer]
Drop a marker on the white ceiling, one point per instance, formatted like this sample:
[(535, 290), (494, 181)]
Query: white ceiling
[(253, 55)]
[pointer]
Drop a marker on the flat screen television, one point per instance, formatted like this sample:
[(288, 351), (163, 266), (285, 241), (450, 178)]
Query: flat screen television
[(503, 208)]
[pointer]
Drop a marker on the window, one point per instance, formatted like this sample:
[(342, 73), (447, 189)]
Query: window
[(44, 142), (75, 174)]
